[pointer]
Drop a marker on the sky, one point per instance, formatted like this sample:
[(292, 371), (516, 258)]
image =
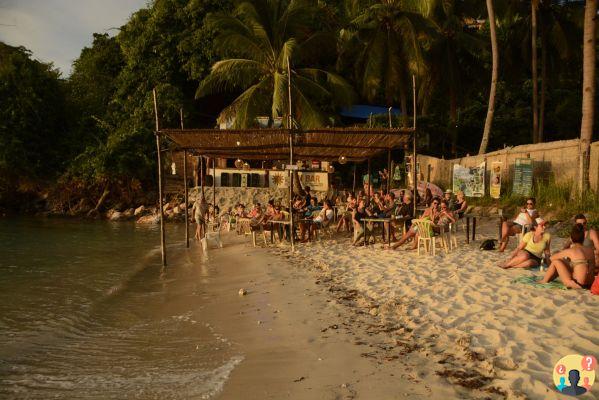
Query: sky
[(56, 30)]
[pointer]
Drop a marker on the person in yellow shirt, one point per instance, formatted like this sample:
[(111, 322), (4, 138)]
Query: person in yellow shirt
[(531, 249)]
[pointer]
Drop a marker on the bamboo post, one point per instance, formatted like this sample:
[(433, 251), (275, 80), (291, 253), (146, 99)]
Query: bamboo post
[(388, 170), (369, 183), (414, 135), (157, 134), (354, 184), (214, 186), (290, 127), (186, 191)]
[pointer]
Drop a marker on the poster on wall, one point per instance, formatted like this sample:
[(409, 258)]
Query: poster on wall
[(318, 181), (495, 186), (523, 177), (471, 181)]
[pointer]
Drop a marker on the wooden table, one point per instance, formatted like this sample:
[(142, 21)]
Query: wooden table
[(376, 220), (277, 222), (467, 217)]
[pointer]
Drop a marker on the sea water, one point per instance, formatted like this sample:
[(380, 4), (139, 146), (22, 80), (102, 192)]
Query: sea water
[(86, 311)]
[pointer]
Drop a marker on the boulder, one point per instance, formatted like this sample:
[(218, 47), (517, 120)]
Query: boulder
[(139, 210), (115, 215), (129, 213), (149, 219)]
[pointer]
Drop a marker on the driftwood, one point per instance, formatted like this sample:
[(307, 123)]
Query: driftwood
[(105, 194)]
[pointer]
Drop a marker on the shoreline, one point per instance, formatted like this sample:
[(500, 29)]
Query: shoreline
[(300, 340)]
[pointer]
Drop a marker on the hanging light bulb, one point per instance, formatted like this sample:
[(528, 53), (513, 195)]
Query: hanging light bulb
[(331, 169), (342, 160), (246, 165), (238, 163)]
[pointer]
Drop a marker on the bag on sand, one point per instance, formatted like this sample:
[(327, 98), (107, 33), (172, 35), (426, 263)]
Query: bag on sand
[(595, 286), (488, 244)]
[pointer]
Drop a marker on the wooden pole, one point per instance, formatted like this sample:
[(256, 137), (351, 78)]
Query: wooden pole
[(354, 184), (202, 174), (186, 191), (290, 127), (157, 134), (214, 186), (414, 136), (388, 170), (369, 183)]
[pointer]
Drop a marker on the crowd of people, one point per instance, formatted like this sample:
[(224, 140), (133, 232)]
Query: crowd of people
[(576, 264)]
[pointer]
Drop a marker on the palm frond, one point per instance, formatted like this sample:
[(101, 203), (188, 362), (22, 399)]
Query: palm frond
[(230, 74)]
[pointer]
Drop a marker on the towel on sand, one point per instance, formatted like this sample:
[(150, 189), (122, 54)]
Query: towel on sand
[(532, 280)]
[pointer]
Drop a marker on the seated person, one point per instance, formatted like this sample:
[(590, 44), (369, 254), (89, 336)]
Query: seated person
[(430, 213), (460, 206), (446, 217), (448, 197), (324, 217), (346, 215), (256, 210), (575, 265), (529, 252), (311, 208), (360, 212), (591, 238), (525, 218)]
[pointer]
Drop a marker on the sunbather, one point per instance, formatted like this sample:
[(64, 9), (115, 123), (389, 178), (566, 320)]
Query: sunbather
[(576, 265), (531, 249), (524, 219), (591, 238)]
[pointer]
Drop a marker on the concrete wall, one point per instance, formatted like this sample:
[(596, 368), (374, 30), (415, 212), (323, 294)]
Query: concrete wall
[(553, 161)]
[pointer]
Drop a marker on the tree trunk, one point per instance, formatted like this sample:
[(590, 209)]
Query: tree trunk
[(453, 120), (541, 135), (403, 98), (495, 52), (588, 94), (535, 80)]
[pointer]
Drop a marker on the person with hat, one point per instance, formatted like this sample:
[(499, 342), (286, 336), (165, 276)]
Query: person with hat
[(448, 197), (534, 245)]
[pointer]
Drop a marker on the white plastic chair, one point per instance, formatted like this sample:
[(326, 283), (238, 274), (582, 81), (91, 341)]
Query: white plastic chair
[(427, 237)]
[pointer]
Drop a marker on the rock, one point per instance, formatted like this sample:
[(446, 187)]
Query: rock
[(116, 215), (176, 210), (129, 213), (139, 210), (149, 219), (242, 292)]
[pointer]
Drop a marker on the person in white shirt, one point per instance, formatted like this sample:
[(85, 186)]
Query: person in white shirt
[(523, 220)]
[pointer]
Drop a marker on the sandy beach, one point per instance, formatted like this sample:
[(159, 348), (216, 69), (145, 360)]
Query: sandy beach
[(464, 313)]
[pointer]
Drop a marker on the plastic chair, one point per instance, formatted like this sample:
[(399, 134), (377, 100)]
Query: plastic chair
[(427, 237), (453, 235)]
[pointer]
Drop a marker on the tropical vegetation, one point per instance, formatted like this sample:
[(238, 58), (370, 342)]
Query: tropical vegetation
[(488, 74)]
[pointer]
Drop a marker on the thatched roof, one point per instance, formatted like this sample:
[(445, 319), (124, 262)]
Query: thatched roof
[(357, 144)]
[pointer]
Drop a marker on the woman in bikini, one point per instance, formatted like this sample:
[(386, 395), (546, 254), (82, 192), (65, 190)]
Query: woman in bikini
[(591, 238), (576, 265), (531, 249)]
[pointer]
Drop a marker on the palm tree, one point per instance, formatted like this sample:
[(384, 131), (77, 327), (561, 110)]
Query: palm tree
[(495, 55), (449, 49), (385, 51), (534, 5), (588, 93), (259, 37)]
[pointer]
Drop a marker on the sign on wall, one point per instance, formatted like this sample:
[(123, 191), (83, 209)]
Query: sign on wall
[(318, 181), (471, 181), (523, 177), (495, 185)]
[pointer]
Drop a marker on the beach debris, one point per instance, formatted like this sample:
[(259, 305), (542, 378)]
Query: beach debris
[(301, 378), (259, 322), (374, 311), (242, 292)]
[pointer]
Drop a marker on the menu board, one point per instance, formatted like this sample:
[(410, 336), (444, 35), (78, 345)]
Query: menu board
[(471, 181), (523, 177)]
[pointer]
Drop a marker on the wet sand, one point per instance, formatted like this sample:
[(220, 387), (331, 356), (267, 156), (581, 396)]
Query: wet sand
[(302, 339)]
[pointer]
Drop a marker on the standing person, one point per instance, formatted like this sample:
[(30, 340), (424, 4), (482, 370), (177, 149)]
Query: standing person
[(525, 218), (307, 197), (531, 249), (575, 265), (199, 210), (360, 212), (428, 197)]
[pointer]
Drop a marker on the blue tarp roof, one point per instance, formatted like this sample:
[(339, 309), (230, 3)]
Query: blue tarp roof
[(363, 111)]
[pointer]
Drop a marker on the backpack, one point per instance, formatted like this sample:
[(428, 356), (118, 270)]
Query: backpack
[(488, 244)]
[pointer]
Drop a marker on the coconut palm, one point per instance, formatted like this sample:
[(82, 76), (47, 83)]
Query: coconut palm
[(256, 41), (384, 41), (494, 74), (449, 49), (588, 92)]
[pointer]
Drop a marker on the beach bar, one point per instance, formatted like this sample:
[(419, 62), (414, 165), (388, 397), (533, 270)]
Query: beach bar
[(352, 144)]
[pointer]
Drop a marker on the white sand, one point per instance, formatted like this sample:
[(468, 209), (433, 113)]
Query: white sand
[(466, 312)]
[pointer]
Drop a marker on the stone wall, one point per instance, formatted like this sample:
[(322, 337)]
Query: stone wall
[(553, 161)]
